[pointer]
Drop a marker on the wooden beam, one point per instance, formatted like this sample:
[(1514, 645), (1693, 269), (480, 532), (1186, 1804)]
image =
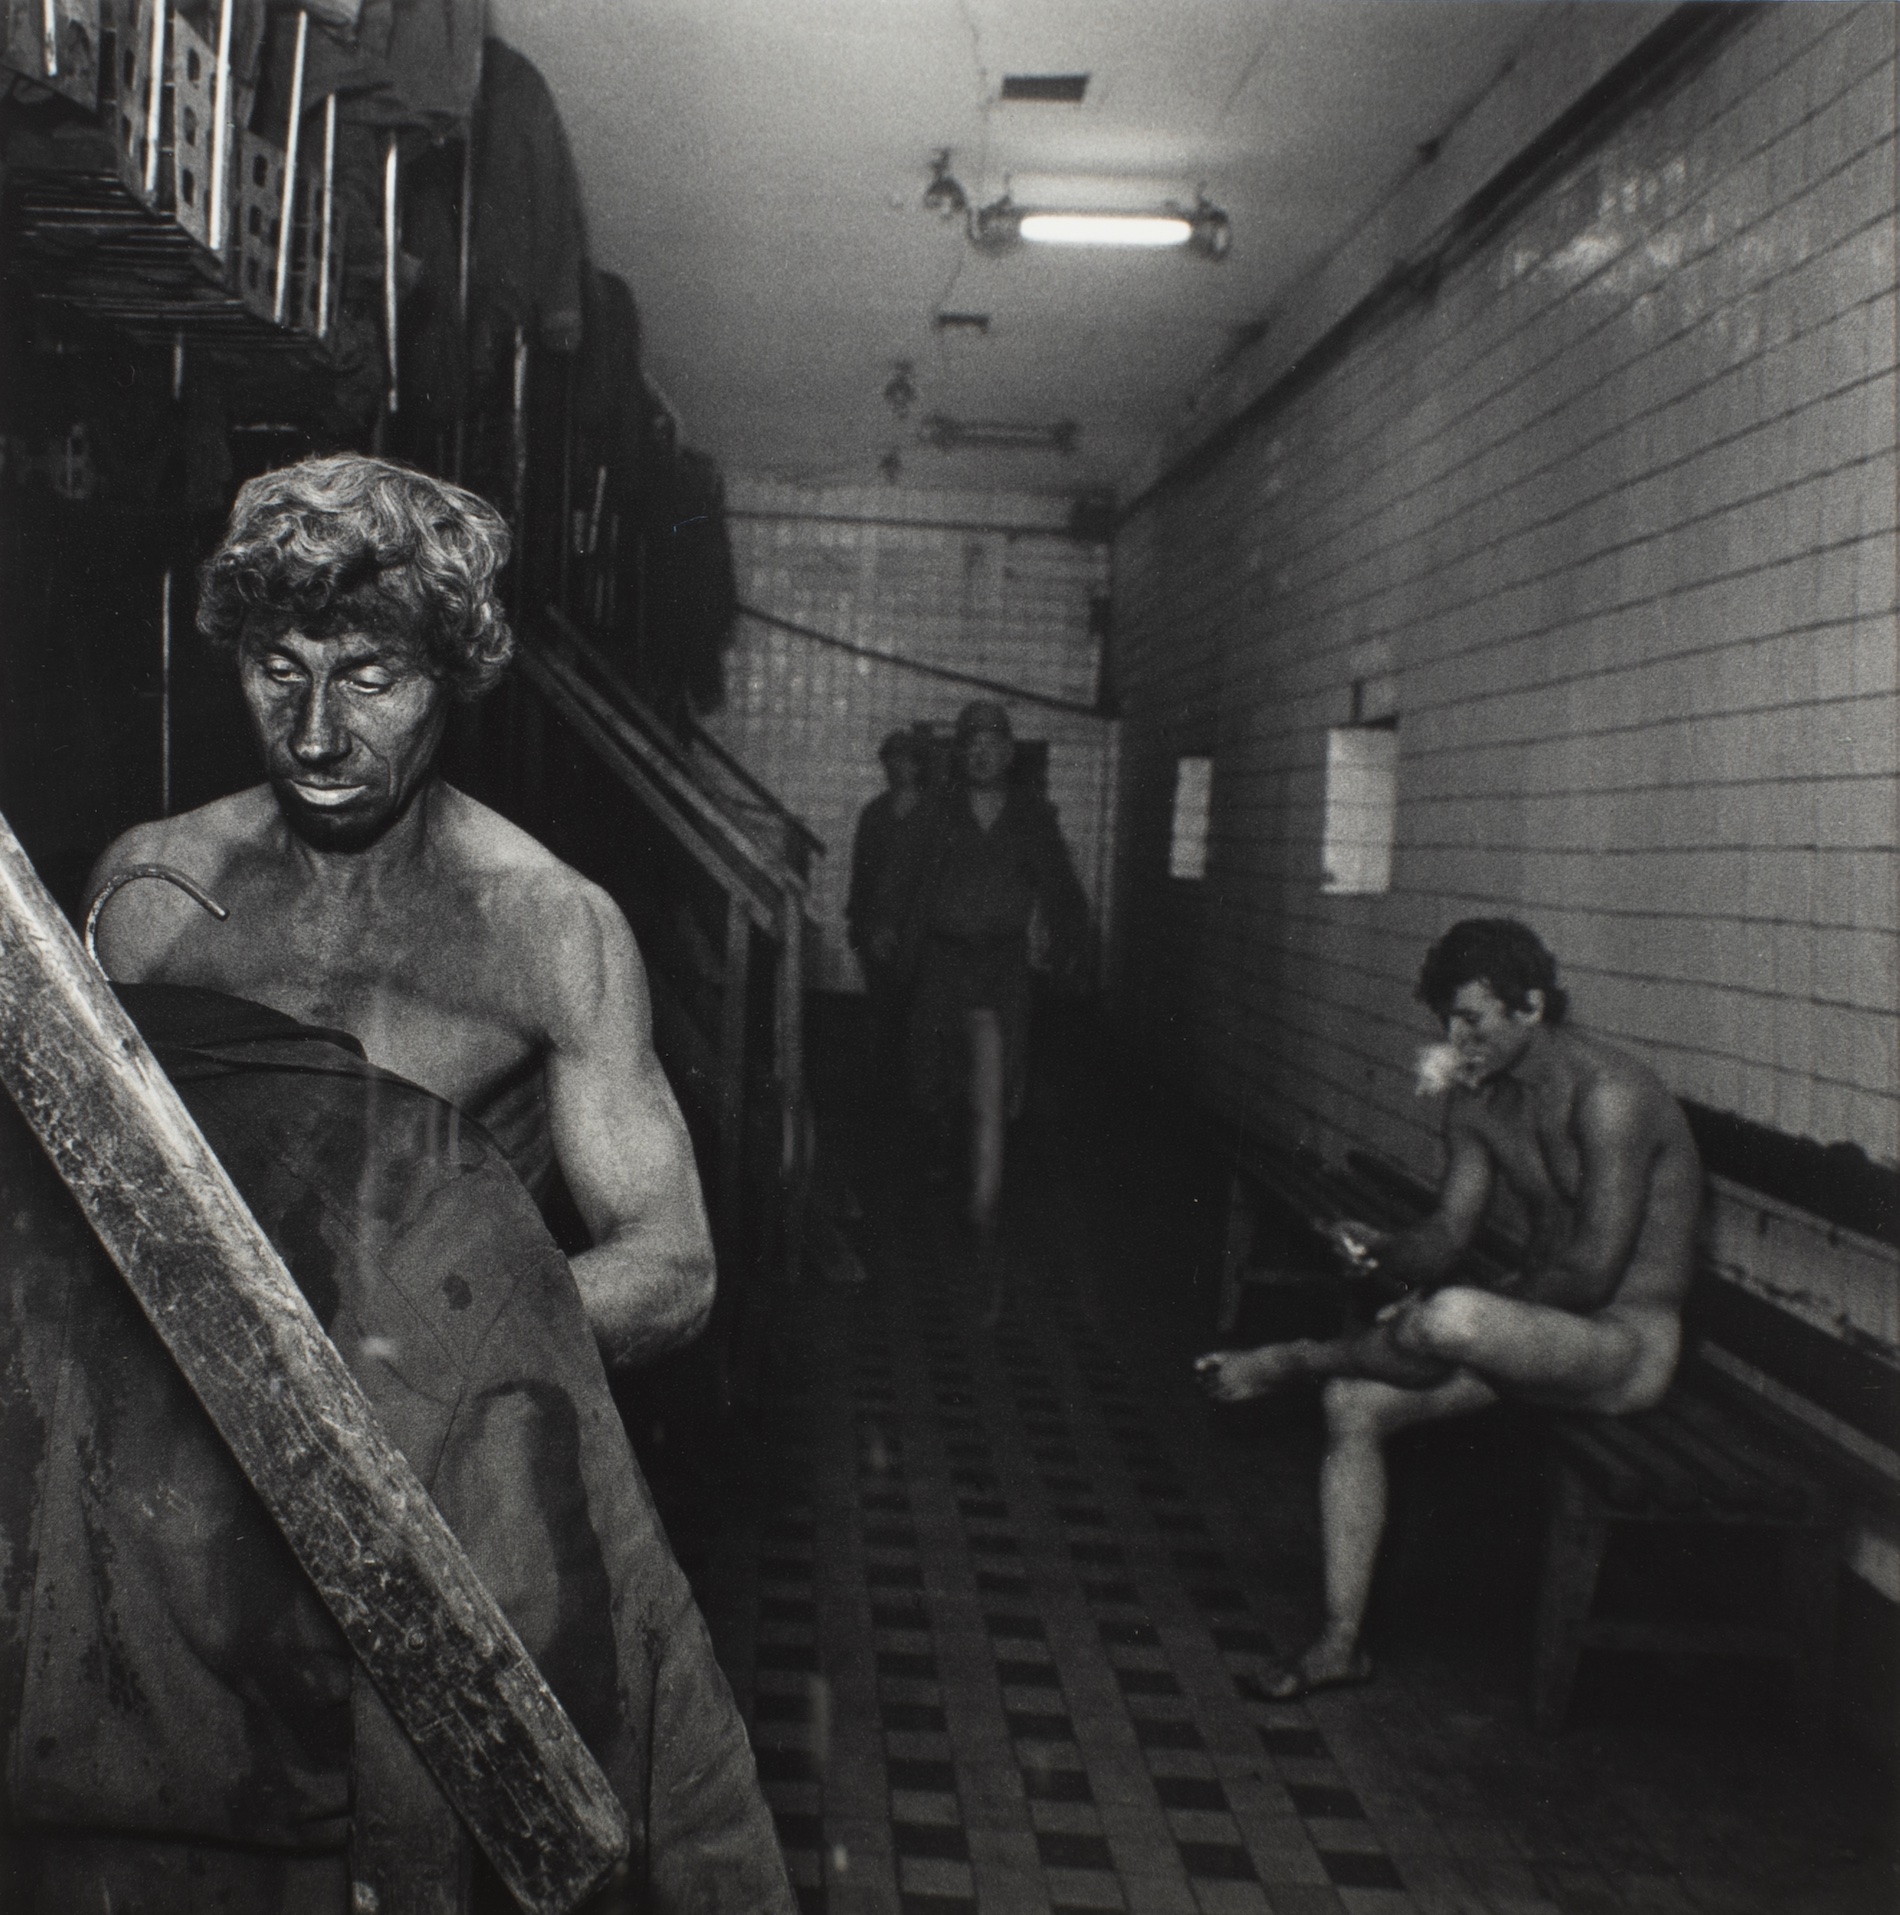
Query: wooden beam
[(329, 217), (734, 990), (385, 1563)]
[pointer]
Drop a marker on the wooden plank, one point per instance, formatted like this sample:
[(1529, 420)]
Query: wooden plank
[(384, 1562), (1665, 1481), (1858, 1387), (734, 994), (1720, 1410), (1492, 1258), (1301, 1186), (1726, 1468), (1580, 1446), (795, 1132), (689, 799), (596, 724)]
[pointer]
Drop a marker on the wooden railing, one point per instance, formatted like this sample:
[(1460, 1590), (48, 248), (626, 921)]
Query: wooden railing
[(720, 916)]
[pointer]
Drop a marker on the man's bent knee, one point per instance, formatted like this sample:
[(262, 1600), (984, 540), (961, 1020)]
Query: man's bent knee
[(1451, 1323)]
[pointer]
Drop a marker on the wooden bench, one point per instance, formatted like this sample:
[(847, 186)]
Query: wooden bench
[(1691, 1460), (1712, 1453)]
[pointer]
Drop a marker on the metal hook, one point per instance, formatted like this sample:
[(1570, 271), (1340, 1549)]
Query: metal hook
[(120, 879)]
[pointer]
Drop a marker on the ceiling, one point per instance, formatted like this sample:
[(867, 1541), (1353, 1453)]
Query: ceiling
[(755, 170)]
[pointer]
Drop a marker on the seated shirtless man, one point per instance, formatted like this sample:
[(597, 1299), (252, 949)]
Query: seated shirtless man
[(363, 893), (1600, 1156)]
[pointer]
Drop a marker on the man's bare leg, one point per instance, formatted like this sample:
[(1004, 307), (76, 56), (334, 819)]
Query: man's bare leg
[(1360, 1416), (1615, 1361), (1232, 1376), (984, 1031)]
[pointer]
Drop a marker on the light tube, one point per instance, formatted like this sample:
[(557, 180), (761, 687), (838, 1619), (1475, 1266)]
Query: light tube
[(1106, 229)]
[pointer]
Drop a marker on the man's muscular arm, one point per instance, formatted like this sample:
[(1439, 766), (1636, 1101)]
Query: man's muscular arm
[(1417, 1257), (1617, 1145), (1412, 1259), (647, 1283)]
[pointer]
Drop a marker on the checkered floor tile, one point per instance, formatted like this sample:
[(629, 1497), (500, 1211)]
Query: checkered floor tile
[(997, 1621)]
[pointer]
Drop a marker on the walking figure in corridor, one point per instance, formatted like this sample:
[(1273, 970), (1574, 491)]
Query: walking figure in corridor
[(990, 861)]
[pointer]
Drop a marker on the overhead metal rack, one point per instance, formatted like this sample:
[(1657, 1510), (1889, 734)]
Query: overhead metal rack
[(84, 241), (203, 232)]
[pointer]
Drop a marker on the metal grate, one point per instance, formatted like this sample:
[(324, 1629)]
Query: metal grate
[(130, 248), (83, 240)]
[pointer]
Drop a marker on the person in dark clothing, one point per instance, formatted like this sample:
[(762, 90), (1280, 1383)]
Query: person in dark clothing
[(455, 971), (880, 850), (182, 1724), (990, 864)]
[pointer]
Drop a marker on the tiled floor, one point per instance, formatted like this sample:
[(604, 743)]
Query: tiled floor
[(995, 1602)]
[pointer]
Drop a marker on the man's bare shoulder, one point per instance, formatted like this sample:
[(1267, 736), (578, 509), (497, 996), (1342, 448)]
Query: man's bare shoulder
[(571, 941), (489, 850), (1621, 1088), (204, 845), (199, 843)]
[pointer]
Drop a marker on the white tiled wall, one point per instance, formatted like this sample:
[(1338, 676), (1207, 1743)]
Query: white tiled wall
[(1618, 503), (1617, 507), (985, 584)]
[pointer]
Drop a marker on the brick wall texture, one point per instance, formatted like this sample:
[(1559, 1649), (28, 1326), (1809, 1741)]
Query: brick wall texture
[(1616, 503), (986, 584)]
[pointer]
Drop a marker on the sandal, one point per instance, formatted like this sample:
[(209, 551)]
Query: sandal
[(1290, 1682)]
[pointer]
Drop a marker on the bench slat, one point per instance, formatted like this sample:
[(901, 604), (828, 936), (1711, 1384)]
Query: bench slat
[(1733, 1483), (1611, 1475), (1660, 1478), (1851, 1384), (1750, 1446)]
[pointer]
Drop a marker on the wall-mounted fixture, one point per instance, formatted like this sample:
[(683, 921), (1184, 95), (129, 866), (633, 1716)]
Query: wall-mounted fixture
[(943, 196), (900, 389), (1362, 778), (1361, 818), (1006, 435)]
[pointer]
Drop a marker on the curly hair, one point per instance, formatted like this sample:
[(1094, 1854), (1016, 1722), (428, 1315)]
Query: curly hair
[(1510, 957), (352, 544)]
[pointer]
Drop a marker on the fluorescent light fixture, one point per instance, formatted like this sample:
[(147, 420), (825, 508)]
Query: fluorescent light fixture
[(997, 435), (1107, 229), (1202, 228)]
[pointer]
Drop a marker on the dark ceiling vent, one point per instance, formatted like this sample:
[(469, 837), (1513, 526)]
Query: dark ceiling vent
[(1063, 89), (963, 322)]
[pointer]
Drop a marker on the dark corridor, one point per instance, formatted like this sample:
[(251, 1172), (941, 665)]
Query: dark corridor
[(992, 1603)]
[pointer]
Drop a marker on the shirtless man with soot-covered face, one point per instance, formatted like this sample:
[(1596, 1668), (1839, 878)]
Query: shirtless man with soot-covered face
[(1601, 1161), (363, 893)]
